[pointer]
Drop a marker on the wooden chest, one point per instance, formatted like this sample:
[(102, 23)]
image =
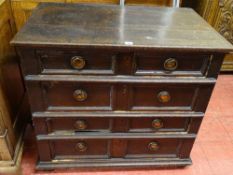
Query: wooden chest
[(110, 86)]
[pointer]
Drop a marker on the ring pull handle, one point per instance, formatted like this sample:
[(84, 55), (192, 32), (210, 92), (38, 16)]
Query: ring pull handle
[(170, 64), (80, 95), (80, 125), (157, 124), (153, 146), (77, 62), (163, 97), (81, 146)]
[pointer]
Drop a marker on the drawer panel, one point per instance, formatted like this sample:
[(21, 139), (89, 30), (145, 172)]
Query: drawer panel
[(76, 62), (80, 148), (171, 64), (78, 124), (182, 97), (170, 124), (76, 96), (75, 124), (115, 148), (152, 148)]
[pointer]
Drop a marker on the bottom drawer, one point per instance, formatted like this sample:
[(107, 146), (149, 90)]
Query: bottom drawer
[(80, 148), (110, 148), (152, 148)]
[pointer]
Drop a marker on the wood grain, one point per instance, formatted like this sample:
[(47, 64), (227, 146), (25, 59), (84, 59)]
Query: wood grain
[(122, 28), (22, 9)]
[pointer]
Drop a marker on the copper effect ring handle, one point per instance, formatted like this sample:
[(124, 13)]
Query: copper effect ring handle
[(157, 123), (80, 124), (80, 95), (81, 146), (153, 146), (164, 97), (170, 64), (77, 62)]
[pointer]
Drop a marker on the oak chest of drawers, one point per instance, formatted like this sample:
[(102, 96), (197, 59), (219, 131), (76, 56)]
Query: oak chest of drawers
[(112, 86)]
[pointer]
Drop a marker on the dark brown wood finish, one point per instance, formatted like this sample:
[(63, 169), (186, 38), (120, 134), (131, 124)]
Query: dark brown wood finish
[(110, 62), (109, 26), (58, 96), (109, 86), (50, 125), (99, 149)]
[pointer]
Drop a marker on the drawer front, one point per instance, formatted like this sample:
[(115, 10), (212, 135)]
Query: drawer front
[(80, 149), (152, 148), (109, 62), (170, 124), (171, 64), (113, 148), (76, 96), (73, 124), (106, 124), (171, 97), (76, 62)]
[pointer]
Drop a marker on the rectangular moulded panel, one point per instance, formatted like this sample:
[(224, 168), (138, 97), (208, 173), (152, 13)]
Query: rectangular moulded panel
[(63, 96), (171, 64), (179, 97), (78, 62)]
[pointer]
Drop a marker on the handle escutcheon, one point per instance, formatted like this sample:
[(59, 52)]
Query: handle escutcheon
[(170, 64), (81, 146), (80, 95), (80, 125), (164, 97), (157, 124), (77, 62), (153, 146)]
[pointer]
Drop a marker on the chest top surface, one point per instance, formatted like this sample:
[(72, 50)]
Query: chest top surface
[(92, 25)]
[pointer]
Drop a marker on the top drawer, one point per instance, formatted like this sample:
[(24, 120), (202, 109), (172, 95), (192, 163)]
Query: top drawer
[(118, 62), (171, 64), (76, 62)]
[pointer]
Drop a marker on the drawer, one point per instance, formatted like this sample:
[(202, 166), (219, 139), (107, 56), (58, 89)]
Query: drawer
[(110, 62), (170, 97), (113, 148), (173, 64), (77, 96), (76, 62), (46, 125), (97, 96)]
